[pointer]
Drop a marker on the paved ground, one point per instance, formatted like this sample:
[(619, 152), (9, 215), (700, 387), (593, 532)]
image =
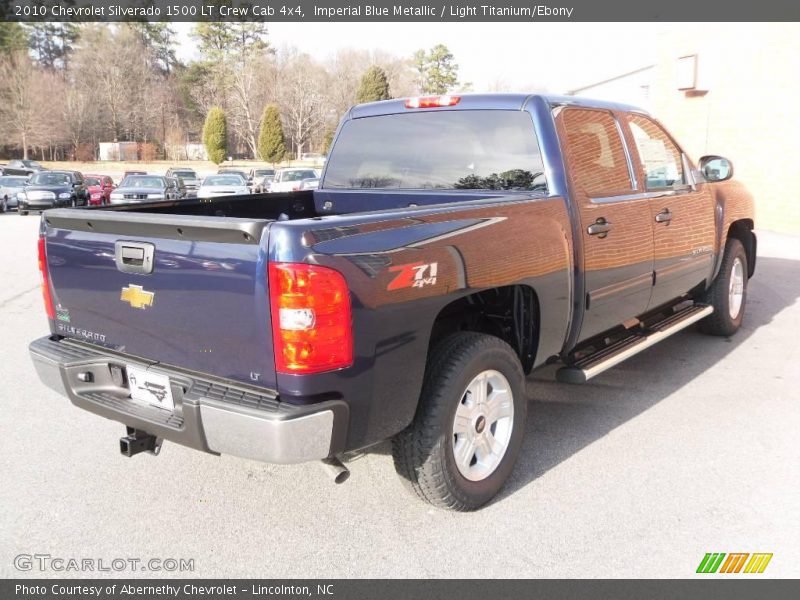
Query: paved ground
[(691, 447)]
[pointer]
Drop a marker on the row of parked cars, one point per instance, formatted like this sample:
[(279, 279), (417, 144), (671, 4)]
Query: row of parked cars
[(26, 185)]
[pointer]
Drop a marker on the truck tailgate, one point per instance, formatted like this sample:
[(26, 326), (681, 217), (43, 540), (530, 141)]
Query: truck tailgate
[(181, 290)]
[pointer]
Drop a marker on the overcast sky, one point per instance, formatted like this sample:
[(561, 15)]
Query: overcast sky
[(555, 56)]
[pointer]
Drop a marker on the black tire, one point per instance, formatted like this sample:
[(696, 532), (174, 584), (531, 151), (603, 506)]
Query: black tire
[(3, 205), (22, 212), (424, 452), (721, 322)]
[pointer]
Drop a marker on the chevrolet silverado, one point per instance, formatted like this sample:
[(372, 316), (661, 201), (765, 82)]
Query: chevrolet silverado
[(455, 244)]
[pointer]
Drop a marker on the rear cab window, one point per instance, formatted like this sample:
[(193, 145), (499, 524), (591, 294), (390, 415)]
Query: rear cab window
[(438, 150)]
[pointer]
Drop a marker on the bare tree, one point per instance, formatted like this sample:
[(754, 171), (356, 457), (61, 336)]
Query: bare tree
[(302, 99), (233, 54), (244, 116), (24, 101), (119, 68), (78, 112)]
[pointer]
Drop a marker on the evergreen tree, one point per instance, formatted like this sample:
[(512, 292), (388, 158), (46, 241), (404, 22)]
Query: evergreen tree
[(271, 141), (52, 43), (12, 37), (215, 135), (374, 86), (160, 38), (222, 41), (327, 139), (437, 71)]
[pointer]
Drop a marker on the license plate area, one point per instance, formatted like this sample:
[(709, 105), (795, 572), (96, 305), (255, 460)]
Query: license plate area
[(150, 388)]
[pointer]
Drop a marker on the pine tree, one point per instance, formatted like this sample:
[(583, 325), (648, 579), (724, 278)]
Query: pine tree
[(215, 135), (374, 86), (327, 139), (271, 141), (437, 71), (12, 37)]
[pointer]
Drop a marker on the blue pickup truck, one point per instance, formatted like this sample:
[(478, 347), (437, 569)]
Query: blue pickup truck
[(455, 244)]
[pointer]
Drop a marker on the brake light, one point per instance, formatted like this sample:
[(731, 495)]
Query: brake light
[(311, 318), (432, 101), (48, 298)]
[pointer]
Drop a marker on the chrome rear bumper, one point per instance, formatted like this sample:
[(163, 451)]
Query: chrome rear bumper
[(211, 414)]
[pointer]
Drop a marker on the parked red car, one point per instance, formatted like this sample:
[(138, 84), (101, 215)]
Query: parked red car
[(100, 187)]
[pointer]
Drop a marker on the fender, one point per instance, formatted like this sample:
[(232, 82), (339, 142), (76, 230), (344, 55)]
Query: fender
[(734, 204)]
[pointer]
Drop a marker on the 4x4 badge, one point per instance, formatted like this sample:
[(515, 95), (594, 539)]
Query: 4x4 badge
[(137, 297), (413, 275)]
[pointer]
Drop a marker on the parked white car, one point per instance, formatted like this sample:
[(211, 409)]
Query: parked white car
[(291, 179), (222, 185)]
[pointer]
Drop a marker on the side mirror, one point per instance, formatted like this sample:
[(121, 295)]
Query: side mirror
[(716, 168)]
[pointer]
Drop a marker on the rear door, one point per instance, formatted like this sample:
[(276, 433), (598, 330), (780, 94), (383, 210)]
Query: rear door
[(615, 221), (181, 290), (682, 213)]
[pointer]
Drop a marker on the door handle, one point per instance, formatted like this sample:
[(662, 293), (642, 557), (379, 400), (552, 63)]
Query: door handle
[(600, 227), (134, 257), (665, 216)]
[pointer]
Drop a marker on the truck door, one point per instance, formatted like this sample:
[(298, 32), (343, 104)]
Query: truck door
[(616, 224), (682, 213)]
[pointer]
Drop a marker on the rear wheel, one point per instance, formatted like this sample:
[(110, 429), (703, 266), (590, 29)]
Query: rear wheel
[(728, 293), (23, 212), (464, 440)]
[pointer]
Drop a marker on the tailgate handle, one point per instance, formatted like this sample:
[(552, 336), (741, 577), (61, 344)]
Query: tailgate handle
[(134, 257)]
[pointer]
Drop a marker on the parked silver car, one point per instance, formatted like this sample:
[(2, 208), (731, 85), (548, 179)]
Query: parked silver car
[(290, 179), (225, 184), (259, 179), (10, 186)]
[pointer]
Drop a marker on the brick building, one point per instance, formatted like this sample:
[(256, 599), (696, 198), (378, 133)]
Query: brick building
[(733, 90)]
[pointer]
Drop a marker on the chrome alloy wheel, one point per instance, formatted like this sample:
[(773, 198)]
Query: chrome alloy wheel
[(736, 288), (482, 426)]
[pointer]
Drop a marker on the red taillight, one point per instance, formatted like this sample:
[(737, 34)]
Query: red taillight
[(432, 101), (48, 298), (311, 319)]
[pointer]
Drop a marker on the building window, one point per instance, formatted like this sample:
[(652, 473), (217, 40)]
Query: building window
[(686, 72)]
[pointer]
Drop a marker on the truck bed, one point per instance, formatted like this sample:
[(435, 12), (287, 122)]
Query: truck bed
[(285, 206)]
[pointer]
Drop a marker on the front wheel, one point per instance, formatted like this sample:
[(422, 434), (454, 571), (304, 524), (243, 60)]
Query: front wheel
[(23, 212), (728, 293), (3, 205), (464, 440)]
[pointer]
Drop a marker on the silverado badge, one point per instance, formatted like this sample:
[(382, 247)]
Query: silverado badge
[(137, 297)]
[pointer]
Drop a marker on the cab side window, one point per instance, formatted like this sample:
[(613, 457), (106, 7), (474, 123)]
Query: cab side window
[(660, 157), (595, 153)]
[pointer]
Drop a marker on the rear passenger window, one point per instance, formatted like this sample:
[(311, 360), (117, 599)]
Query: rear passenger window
[(660, 157), (595, 153)]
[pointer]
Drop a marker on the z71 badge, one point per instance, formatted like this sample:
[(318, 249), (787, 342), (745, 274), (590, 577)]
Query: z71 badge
[(413, 275)]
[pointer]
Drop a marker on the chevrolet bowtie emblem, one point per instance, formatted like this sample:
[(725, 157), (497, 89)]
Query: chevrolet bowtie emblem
[(137, 297)]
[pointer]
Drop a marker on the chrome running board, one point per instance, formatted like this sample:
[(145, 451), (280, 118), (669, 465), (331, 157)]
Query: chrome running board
[(609, 356)]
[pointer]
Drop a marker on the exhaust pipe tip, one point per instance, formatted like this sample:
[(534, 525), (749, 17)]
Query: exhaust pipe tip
[(336, 469)]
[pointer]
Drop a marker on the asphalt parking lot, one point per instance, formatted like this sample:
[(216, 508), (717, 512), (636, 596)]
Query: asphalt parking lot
[(688, 448)]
